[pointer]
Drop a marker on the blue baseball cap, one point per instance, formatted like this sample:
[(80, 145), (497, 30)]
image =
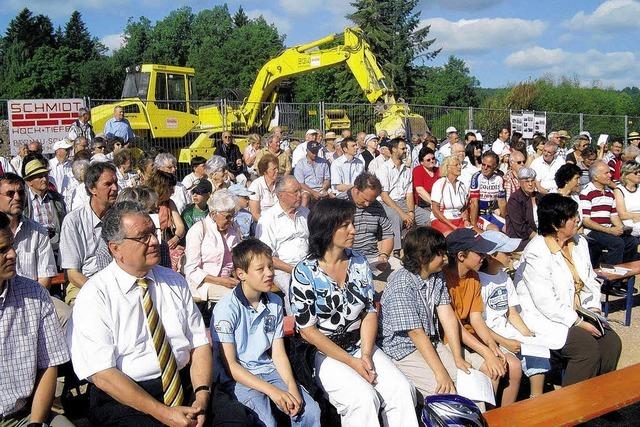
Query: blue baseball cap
[(465, 239)]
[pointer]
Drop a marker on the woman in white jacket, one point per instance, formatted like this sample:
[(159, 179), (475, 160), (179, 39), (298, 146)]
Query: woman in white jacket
[(554, 278)]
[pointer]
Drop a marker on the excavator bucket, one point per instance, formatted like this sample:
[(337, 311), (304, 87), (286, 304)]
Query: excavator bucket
[(336, 120)]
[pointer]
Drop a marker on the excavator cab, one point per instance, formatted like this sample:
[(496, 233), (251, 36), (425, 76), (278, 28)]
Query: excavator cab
[(157, 101)]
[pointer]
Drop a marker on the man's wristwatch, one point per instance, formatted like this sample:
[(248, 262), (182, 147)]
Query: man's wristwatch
[(202, 388)]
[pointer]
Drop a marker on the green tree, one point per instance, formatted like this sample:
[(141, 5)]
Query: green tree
[(170, 38), (392, 29), (234, 62), (240, 18), (77, 36), (451, 85)]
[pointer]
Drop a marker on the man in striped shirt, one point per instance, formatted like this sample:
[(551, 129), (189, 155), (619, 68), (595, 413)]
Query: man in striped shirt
[(601, 219)]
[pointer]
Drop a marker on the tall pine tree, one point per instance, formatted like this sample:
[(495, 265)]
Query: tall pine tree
[(77, 36), (392, 29)]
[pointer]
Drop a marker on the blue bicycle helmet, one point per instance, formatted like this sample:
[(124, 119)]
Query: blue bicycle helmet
[(447, 410)]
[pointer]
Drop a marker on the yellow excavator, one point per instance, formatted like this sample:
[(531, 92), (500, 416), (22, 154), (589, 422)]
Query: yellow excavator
[(159, 100)]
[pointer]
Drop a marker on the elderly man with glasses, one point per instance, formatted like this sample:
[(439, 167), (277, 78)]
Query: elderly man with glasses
[(522, 221), (283, 227), (511, 182), (136, 334)]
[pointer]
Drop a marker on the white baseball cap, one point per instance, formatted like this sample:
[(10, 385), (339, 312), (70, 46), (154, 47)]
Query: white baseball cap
[(63, 143), (451, 129), (311, 132)]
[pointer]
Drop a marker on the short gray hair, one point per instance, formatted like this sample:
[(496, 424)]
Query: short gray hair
[(631, 152), (222, 201), (215, 164), (82, 111), (552, 134), (112, 229), (163, 158), (79, 168), (526, 173), (593, 169), (282, 182)]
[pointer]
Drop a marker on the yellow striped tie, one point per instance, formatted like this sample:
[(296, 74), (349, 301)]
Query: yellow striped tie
[(173, 394)]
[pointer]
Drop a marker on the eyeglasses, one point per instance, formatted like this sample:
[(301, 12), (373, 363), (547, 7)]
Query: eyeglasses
[(228, 216), (519, 162), (144, 239), (430, 159), (99, 147), (226, 137)]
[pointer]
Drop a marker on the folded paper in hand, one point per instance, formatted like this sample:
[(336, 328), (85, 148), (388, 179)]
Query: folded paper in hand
[(475, 386)]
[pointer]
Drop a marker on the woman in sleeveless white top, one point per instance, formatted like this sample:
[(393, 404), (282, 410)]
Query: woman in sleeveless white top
[(628, 196)]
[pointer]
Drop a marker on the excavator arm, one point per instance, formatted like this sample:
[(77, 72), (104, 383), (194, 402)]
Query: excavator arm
[(354, 51)]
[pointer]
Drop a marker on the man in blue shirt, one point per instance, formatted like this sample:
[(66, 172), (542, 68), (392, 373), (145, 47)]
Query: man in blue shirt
[(312, 173), (247, 326), (345, 168), (119, 126)]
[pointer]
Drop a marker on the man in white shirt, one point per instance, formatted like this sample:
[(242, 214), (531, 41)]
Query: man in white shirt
[(81, 228), (385, 154), (502, 142), (397, 192), (300, 151), (546, 167), (167, 162), (135, 328), (347, 167), (284, 228), (16, 162), (60, 166), (445, 148)]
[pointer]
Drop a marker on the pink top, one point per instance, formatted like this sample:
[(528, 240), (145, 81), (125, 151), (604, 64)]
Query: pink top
[(207, 252)]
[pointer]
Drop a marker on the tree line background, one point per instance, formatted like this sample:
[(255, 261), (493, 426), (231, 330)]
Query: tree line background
[(228, 48)]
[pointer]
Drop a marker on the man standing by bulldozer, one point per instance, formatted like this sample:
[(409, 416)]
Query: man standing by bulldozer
[(119, 126)]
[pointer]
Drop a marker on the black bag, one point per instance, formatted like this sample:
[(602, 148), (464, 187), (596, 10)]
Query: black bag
[(303, 358)]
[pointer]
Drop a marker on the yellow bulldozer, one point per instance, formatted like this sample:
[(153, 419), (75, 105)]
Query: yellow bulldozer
[(158, 100)]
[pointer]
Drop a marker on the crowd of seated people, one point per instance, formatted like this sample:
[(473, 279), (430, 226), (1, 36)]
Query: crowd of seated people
[(402, 264)]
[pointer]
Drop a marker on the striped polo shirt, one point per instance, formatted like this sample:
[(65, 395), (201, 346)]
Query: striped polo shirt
[(599, 205)]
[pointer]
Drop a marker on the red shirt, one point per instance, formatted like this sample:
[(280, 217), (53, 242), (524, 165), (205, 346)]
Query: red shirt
[(615, 165), (422, 179)]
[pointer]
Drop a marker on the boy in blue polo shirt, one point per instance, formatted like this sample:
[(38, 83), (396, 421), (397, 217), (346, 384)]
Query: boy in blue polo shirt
[(248, 324)]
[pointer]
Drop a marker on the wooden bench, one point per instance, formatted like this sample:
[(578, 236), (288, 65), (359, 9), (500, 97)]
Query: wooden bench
[(574, 404), (634, 269)]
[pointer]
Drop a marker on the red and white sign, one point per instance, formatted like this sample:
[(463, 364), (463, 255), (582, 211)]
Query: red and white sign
[(43, 120)]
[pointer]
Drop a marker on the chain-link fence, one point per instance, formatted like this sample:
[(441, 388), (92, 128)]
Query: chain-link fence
[(213, 116)]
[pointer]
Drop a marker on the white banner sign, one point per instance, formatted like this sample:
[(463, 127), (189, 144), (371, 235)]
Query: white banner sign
[(43, 120), (528, 123)]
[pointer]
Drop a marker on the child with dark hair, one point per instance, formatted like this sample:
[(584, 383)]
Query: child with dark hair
[(247, 324), (414, 303)]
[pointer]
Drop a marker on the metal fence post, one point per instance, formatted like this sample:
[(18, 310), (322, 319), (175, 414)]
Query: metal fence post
[(581, 121), (626, 128), (321, 116)]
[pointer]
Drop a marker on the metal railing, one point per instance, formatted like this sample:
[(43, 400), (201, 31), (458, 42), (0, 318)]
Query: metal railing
[(296, 118)]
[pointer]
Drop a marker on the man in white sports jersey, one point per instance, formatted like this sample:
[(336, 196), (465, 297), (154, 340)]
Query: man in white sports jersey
[(487, 197)]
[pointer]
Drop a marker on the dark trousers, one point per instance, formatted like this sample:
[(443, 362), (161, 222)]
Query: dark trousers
[(104, 411), (620, 248), (587, 356)]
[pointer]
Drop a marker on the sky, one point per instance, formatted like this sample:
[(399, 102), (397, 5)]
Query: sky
[(502, 42)]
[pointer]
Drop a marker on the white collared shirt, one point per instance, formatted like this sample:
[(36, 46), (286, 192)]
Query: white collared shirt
[(34, 254), (262, 194), (287, 237), (395, 181), (546, 173), (79, 237), (109, 328), (61, 175)]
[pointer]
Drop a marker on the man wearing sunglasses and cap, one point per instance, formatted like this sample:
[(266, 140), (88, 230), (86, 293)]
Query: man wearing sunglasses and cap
[(313, 175)]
